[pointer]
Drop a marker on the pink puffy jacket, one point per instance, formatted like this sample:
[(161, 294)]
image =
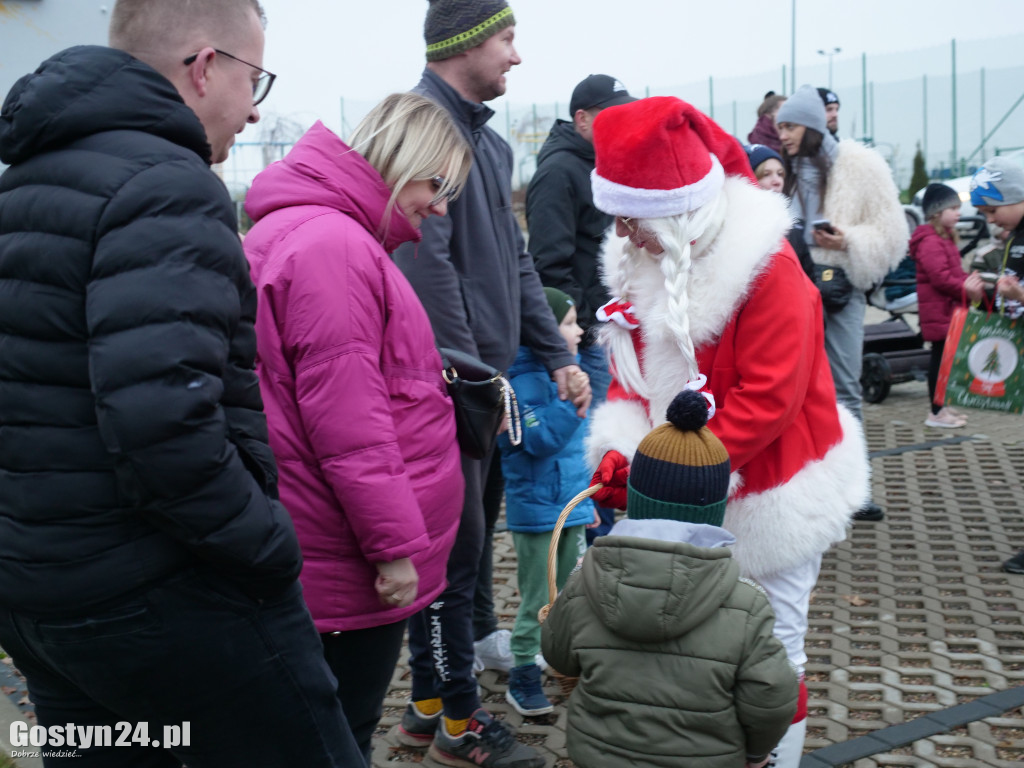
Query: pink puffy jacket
[(360, 423)]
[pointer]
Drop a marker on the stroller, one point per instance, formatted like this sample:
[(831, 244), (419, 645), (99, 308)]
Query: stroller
[(893, 351)]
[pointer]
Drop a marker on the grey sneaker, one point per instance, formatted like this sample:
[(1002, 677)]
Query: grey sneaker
[(486, 743), (417, 729)]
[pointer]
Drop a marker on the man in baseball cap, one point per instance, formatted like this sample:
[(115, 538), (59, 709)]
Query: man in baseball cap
[(566, 229)]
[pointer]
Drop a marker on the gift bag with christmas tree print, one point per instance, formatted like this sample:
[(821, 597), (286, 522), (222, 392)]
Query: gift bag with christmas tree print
[(983, 362)]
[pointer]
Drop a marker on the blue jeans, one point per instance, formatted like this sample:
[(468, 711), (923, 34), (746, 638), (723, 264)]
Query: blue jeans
[(249, 677), (594, 361)]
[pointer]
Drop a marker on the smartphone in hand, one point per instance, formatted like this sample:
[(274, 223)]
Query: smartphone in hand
[(824, 225)]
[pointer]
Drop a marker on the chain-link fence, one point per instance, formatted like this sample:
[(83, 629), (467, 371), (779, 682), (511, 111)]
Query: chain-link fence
[(896, 102)]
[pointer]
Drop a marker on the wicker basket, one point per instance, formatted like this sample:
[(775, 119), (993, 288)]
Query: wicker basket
[(565, 683)]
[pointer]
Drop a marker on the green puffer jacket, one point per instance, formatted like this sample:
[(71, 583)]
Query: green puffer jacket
[(676, 658)]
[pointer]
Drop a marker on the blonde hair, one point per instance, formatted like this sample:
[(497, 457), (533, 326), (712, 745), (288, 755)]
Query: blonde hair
[(676, 236), (408, 137), (154, 30)]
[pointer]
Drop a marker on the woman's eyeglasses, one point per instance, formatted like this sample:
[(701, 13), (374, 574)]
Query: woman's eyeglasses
[(260, 86)]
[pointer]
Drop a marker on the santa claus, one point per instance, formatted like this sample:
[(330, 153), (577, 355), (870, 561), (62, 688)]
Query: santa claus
[(710, 295)]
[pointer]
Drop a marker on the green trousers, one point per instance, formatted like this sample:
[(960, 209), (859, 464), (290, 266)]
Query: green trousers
[(532, 554)]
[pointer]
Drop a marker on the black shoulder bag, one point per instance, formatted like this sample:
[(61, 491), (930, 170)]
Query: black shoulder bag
[(482, 397)]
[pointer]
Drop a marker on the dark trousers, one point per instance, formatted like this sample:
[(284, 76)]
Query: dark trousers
[(249, 676), (441, 635), (364, 660), (484, 620), (933, 373)]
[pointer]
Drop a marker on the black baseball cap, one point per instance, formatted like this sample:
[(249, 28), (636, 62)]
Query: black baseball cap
[(598, 91), (828, 96)]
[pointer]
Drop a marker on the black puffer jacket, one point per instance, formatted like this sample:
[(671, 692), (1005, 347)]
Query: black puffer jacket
[(133, 442), (566, 230)]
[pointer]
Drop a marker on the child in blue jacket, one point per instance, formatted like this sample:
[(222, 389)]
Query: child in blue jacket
[(542, 474)]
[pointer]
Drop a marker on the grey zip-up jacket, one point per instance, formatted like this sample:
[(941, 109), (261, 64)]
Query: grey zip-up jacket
[(471, 271)]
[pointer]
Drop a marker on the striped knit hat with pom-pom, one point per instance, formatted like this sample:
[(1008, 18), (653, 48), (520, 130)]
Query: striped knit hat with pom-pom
[(455, 26), (680, 470)]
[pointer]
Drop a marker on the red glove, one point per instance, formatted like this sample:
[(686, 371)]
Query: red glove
[(611, 473)]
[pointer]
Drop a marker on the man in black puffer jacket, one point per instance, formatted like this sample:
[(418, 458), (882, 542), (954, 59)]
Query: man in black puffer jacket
[(566, 230), (147, 570)]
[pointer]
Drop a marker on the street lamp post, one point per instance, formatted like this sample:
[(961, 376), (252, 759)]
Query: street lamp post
[(830, 54)]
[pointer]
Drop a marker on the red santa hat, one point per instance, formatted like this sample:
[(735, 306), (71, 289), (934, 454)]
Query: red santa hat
[(661, 157)]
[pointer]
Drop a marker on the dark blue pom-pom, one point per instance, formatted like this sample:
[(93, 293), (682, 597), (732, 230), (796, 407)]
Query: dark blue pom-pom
[(688, 411)]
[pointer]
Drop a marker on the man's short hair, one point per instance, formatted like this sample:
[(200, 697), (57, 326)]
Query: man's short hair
[(150, 26)]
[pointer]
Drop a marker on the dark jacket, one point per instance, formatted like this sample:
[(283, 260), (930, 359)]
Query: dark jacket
[(566, 230), (472, 271), (547, 469), (675, 655), (940, 280), (132, 439)]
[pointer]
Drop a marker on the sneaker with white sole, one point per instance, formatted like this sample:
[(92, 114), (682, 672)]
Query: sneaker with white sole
[(486, 743), (494, 652), (945, 420), (525, 693)]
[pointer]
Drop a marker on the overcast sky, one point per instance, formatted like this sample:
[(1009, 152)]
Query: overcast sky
[(325, 49)]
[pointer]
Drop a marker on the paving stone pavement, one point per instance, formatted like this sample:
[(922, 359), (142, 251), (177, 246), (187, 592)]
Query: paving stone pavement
[(910, 617)]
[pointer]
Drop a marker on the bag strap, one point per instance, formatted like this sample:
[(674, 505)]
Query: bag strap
[(515, 426)]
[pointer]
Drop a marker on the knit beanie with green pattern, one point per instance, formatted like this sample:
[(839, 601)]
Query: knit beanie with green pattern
[(680, 470), (455, 26)]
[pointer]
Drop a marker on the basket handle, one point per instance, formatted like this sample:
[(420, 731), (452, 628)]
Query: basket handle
[(553, 546)]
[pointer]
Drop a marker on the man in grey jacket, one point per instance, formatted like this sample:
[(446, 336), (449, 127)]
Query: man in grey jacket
[(483, 296)]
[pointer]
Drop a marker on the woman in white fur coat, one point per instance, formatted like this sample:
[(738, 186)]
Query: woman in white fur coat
[(851, 187), (711, 296)]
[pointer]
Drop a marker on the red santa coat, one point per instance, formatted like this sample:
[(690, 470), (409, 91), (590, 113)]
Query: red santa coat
[(798, 460)]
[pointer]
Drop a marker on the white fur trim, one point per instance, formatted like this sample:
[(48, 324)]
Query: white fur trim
[(616, 425), (782, 527), (619, 200), (747, 228)]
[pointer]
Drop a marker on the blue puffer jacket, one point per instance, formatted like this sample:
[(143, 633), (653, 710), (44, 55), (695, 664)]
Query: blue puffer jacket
[(547, 469)]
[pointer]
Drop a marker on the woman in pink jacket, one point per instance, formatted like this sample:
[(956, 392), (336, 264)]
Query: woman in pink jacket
[(360, 422)]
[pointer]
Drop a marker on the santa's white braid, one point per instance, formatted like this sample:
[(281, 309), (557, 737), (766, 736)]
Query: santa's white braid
[(619, 340), (676, 236)]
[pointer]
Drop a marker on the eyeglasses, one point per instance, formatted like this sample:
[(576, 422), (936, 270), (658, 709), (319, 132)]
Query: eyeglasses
[(260, 86), (438, 183), (627, 222)]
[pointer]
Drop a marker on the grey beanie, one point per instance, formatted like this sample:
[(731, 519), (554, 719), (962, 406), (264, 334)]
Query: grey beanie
[(999, 181), (455, 26), (804, 108)]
